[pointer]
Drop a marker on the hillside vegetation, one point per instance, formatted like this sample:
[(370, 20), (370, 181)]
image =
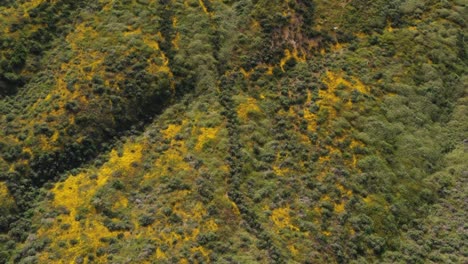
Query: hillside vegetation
[(219, 131)]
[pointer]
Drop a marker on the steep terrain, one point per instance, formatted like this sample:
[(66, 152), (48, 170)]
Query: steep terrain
[(209, 131)]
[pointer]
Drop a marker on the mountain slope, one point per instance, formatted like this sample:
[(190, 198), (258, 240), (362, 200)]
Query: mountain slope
[(233, 131)]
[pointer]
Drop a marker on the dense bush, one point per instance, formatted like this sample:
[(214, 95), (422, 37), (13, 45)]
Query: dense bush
[(232, 131)]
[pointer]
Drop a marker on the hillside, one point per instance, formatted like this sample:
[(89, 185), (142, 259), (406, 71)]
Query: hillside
[(218, 131)]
